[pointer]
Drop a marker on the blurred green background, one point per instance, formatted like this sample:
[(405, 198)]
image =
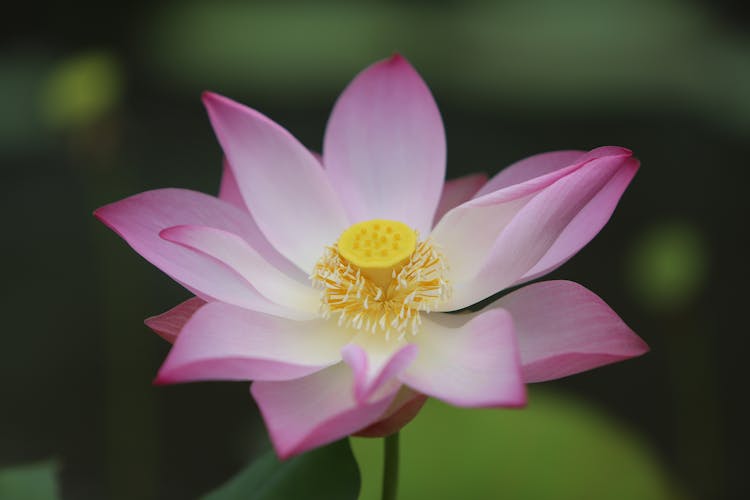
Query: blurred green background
[(100, 101)]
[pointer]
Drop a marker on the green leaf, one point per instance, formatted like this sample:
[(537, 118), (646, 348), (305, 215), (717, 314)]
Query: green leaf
[(559, 448), (29, 482), (328, 473)]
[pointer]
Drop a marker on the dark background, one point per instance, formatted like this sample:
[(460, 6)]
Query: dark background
[(100, 101)]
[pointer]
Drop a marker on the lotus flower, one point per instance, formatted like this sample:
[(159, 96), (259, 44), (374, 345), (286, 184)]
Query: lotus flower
[(327, 281)]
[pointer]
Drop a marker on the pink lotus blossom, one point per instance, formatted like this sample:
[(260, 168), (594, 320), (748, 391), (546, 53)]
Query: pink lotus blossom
[(327, 281)]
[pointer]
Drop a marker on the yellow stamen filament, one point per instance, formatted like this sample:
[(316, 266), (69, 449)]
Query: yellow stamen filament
[(382, 290)]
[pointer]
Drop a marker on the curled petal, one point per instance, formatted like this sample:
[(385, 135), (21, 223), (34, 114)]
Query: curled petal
[(384, 147), (311, 411), (235, 253), (474, 365), (169, 324), (140, 218), (493, 241), (467, 233), (563, 329), (224, 342), (529, 168), (281, 182), (592, 217), (586, 224), (458, 191)]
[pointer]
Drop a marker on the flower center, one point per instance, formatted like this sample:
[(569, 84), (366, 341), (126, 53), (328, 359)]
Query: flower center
[(379, 277), (377, 247)]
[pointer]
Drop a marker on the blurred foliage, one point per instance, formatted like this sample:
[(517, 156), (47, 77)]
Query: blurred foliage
[(544, 54), (101, 101), (81, 89), (328, 473), (29, 482), (668, 265), (21, 127), (559, 447)]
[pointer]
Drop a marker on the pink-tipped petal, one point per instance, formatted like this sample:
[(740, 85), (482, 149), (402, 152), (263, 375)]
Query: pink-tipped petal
[(529, 168), (458, 191), (281, 182), (140, 218), (375, 368), (587, 224), (589, 221), (467, 233), (384, 147), (318, 409), (224, 342), (169, 324), (474, 365), (493, 241), (234, 252), (563, 329)]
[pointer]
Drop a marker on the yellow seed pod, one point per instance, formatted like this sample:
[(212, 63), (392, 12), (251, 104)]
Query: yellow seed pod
[(377, 246)]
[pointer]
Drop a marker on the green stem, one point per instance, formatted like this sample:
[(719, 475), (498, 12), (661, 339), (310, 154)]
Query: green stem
[(390, 467)]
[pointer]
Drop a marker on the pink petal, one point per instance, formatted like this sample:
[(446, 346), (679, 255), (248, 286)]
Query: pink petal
[(280, 180), (374, 370), (458, 191), (512, 229), (467, 233), (563, 329), (587, 224), (224, 342), (229, 191), (529, 168), (234, 252), (169, 324), (474, 365), (318, 409), (589, 221), (384, 147), (139, 219), (541, 165)]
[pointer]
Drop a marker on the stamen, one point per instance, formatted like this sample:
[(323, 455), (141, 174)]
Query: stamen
[(384, 291)]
